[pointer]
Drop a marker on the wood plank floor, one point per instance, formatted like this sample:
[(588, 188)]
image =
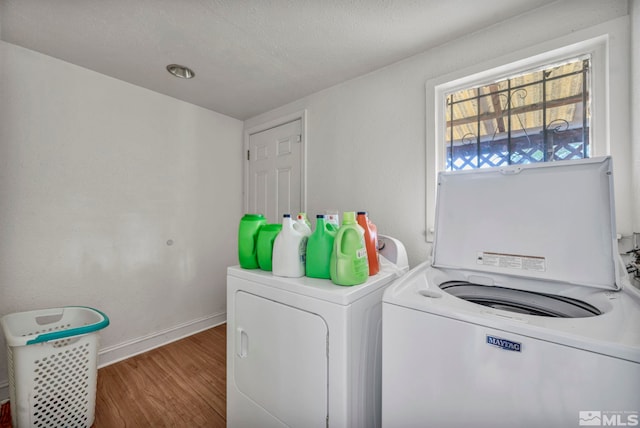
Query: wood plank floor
[(182, 384)]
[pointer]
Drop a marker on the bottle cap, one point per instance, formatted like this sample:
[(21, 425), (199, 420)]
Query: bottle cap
[(286, 215)]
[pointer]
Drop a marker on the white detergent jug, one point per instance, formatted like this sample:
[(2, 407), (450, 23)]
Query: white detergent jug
[(290, 249)]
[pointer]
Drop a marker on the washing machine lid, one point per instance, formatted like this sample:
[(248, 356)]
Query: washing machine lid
[(553, 221)]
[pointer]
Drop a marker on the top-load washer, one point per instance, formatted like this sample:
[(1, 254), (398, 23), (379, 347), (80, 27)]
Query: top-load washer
[(524, 317), (304, 352)]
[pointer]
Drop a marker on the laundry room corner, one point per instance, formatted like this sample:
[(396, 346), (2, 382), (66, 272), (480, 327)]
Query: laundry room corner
[(115, 197)]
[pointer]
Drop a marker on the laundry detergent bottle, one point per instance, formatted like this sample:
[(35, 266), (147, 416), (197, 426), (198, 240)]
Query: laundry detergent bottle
[(290, 249), (370, 240), (266, 238), (319, 249), (250, 225), (302, 218), (349, 264), (331, 217)]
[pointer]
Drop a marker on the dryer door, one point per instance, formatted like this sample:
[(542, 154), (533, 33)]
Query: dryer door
[(280, 360)]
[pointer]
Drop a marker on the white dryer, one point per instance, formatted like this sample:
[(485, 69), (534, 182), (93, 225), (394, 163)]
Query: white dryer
[(524, 317), (303, 352)]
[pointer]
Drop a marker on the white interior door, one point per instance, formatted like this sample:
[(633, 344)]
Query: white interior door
[(280, 360), (275, 171)]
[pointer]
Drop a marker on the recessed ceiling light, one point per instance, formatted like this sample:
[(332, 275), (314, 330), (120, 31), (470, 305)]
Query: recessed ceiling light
[(180, 71)]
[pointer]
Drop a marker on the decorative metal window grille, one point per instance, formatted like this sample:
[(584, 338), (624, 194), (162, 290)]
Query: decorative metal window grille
[(539, 116)]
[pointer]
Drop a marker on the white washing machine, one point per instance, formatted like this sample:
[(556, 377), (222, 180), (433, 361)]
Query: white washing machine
[(303, 352), (524, 317)]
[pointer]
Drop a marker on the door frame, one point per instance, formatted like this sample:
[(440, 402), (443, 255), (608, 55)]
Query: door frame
[(274, 123)]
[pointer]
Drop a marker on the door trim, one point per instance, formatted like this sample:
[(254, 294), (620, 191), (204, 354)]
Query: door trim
[(282, 120)]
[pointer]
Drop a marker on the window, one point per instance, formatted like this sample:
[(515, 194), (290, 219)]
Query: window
[(544, 103), (536, 116)]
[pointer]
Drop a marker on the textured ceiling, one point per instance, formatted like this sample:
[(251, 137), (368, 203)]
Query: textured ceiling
[(249, 56)]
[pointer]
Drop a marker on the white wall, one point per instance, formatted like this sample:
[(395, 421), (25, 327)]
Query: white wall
[(371, 130), (96, 176)]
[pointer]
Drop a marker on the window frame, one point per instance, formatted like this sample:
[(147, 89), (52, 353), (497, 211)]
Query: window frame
[(521, 119), (501, 68)]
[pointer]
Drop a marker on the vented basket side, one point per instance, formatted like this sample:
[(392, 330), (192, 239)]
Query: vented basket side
[(52, 358)]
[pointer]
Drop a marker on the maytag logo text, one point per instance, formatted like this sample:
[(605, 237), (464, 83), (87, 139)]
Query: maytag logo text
[(504, 343)]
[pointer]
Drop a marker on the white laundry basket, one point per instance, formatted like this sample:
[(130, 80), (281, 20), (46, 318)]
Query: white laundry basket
[(52, 361)]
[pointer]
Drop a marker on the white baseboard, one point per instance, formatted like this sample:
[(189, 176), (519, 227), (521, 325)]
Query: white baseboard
[(130, 348), (139, 345)]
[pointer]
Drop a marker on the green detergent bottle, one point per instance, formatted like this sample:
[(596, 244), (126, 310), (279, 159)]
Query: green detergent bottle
[(250, 225), (319, 249), (349, 263), (266, 237)]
